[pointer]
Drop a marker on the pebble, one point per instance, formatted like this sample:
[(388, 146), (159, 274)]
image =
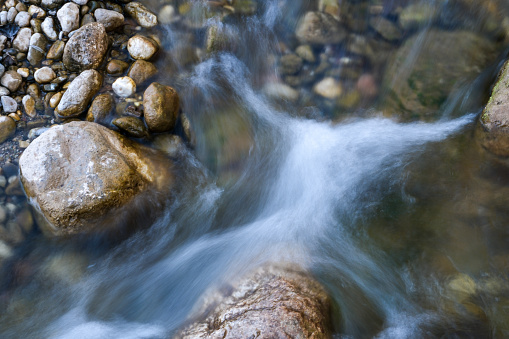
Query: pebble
[(48, 28), (7, 128), (100, 108), (116, 67), (24, 72), (69, 17), (79, 93), (328, 88), (9, 105), (167, 15), (141, 14), (22, 40), (44, 75), (22, 19), (56, 50), (37, 49), (3, 18), (55, 100), (140, 47), (2, 70), (11, 14), (4, 91), (132, 126), (141, 70), (29, 106), (110, 19), (37, 11), (3, 183), (124, 87), (12, 80)]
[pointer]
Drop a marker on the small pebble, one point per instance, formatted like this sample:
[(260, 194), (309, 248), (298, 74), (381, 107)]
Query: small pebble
[(124, 87)]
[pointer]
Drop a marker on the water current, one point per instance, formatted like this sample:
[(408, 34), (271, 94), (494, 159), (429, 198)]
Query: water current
[(391, 217)]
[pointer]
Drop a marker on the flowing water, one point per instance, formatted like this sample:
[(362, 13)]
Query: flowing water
[(404, 224)]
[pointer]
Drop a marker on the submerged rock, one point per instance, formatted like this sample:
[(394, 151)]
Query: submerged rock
[(494, 122), (444, 60), (161, 105), (318, 28), (77, 174), (272, 302)]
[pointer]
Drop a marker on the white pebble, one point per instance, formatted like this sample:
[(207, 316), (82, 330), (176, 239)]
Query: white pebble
[(124, 87)]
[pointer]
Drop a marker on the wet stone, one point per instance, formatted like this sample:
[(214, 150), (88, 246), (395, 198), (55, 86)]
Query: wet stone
[(124, 87), (100, 108), (29, 106), (4, 91), (22, 40), (141, 47), (290, 64), (12, 80), (116, 67), (318, 28), (161, 104), (68, 16), (141, 71), (56, 50), (79, 93), (132, 126), (50, 87), (386, 28), (87, 48), (37, 49), (7, 128), (44, 75), (110, 19), (141, 14)]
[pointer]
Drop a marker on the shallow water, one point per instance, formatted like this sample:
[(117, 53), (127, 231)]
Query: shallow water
[(403, 223)]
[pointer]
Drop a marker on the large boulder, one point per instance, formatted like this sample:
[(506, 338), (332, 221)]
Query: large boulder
[(493, 133), (87, 47), (426, 69), (272, 302), (81, 173)]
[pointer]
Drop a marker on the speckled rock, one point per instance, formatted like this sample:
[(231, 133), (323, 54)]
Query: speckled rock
[(37, 49), (87, 47), (78, 174), (79, 94), (272, 302), (22, 40), (48, 28), (161, 106)]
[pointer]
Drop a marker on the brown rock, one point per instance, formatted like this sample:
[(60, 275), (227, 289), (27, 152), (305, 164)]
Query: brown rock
[(7, 128), (270, 303), (100, 108), (141, 71), (77, 174), (161, 105), (87, 48), (56, 50), (318, 28), (116, 67)]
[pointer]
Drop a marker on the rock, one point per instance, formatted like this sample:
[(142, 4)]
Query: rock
[(79, 94), (29, 106), (290, 64), (141, 71), (87, 19), (124, 87), (170, 144), (318, 28), (100, 108), (328, 88), (493, 133), (141, 14), (9, 105), (24, 72), (110, 19), (56, 51), (132, 126), (141, 47), (272, 302), (167, 15), (22, 40), (48, 28), (44, 75), (55, 100), (281, 91), (446, 59), (36, 12), (37, 49), (80, 2), (51, 4), (2, 70), (12, 80), (116, 67), (417, 15), (69, 17), (22, 19), (386, 28), (7, 128), (306, 53), (367, 86), (4, 91), (79, 174), (161, 105), (87, 48), (11, 15)]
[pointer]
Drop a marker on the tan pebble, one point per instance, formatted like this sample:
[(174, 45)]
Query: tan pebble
[(24, 144), (55, 100), (14, 117)]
